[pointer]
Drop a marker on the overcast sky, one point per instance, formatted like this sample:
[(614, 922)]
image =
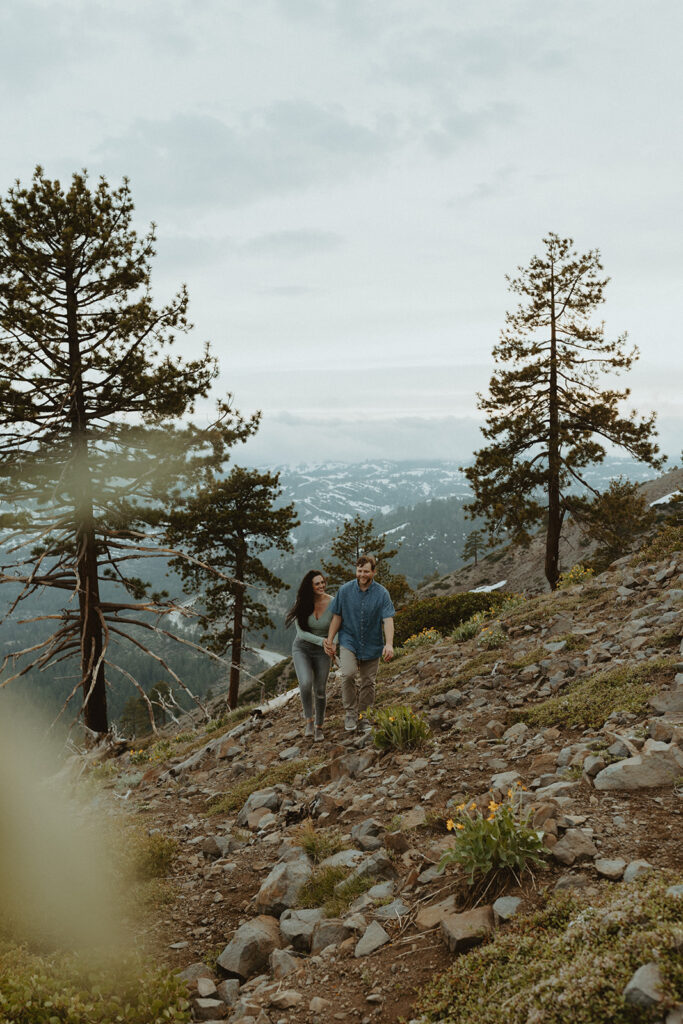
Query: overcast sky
[(343, 185)]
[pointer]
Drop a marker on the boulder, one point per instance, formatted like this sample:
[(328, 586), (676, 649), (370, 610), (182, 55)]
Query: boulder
[(229, 991), (645, 987), (281, 888), (637, 869), (249, 950), (461, 931), (269, 798), (283, 963), (208, 1009), (329, 932), (296, 927), (658, 764), (373, 937), (574, 845), (612, 869), (429, 917)]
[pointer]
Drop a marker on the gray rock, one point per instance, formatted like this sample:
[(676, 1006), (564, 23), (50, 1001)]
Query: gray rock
[(208, 1009), (397, 908), (637, 869), (503, 780), (289, 753), (453, 698), (372, 939), (574, 845), (229, 991), (195, 971), (343, 859), (645, 987), (506, 907), (612, 869), (283, 963), (329, 932), (286, 999), (515, 733), (572, 882), (280, 890), (381, 890), (658, 764), (206, 988), (461, 931), (249, 950), (269, 798), (217, 846), (377, 865), (676, 891), (296, 927)]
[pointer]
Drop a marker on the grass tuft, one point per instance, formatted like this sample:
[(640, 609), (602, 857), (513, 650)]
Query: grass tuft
[(317, 843), (224, 803)]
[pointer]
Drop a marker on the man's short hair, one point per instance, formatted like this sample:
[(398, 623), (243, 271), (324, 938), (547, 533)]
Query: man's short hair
[(367, 560)]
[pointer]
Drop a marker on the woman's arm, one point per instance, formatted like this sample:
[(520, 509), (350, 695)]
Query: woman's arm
[(302, 634)]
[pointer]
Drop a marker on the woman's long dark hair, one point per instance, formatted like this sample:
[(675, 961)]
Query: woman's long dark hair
[(305, 601)]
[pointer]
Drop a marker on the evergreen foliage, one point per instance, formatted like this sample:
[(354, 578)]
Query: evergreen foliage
[(442, 613), (89, 449), (473, 546), (615, 519), (548, 416), (357, 537), (225, 526)]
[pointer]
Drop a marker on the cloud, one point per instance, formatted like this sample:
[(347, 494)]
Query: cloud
[(293, 243), (195, 160)]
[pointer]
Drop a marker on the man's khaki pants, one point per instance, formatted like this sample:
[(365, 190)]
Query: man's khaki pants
[(358, 681)]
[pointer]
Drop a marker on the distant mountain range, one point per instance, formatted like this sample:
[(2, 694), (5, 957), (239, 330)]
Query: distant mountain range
[(327, 493)]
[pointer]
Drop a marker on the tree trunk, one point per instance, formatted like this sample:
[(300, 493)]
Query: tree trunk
[(237, 631), (91, 634), (552, 542)]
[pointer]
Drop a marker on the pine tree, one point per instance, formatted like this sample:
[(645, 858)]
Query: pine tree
[(615, 519), (89, 449), (548, 415), (356, 538), (224, 527), (473, 545)]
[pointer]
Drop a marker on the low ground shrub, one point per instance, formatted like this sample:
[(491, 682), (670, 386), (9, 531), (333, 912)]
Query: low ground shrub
[(665, 543), (588, 703), (492, 637), (149, 856), (441, 613), (569, 963), (319, 890), (68, 989), (398, 728)]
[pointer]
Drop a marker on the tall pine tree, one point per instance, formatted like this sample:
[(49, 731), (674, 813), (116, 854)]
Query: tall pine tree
[(89, 447), (225, 526), (548, 413)]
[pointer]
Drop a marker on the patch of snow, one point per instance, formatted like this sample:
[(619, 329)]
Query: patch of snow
[(270, 657), (487, 590), (665, 500)]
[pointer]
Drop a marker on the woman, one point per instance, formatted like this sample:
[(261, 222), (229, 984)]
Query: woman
[(311, 617)]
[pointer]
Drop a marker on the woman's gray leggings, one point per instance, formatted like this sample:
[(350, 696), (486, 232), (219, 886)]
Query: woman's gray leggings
[(312, 668)]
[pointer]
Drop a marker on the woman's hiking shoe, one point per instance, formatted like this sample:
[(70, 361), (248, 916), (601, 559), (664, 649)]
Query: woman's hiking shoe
[(350, 721), (308, 731), (319, 735)]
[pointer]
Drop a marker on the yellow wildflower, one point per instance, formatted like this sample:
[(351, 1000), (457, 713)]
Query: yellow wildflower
[(473, 806), (450, 824), (460, 807), (460, 826)]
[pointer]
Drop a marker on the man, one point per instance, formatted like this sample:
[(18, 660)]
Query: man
[(359, 611)]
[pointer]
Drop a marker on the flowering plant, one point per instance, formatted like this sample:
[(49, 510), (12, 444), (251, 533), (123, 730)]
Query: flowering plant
[(502, 840), (577, 574), (397, 728), (423, 639)]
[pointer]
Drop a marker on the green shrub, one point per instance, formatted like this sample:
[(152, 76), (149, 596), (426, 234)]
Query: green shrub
[(466, 630), (442, 613), (67, 989), (398, 728), (665, 543), (577, 574), (492, 637), (588, 703), (500, 843), (319, 890), (569, 963), (427, 637)]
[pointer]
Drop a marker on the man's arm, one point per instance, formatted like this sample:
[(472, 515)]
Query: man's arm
[(388, 651), (328, 644)]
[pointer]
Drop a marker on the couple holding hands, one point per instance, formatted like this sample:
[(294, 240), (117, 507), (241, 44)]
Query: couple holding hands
[(357, 613)]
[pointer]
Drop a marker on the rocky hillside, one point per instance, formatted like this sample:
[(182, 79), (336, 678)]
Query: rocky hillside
[(522, 568), (306, 885)]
